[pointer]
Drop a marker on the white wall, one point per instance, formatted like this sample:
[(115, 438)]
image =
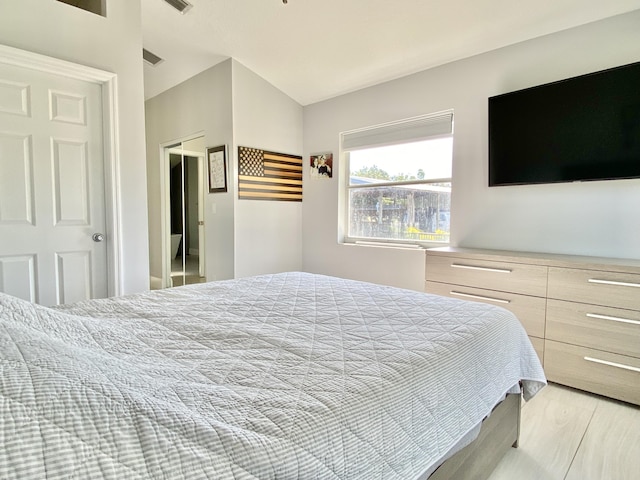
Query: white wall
[(230, 105), (594, 218), (114, 44), (198, 106), (268, 234)]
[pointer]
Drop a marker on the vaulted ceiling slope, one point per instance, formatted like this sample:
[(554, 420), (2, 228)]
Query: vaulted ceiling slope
[(313, 50)]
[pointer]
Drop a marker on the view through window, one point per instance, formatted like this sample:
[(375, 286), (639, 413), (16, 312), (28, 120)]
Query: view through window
[(401, 192)]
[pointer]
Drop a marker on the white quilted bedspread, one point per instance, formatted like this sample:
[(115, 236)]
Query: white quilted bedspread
[(287, 376)]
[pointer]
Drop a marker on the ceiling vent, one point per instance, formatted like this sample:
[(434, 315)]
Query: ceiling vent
[(180, 5), (94, 6), (151, 58)]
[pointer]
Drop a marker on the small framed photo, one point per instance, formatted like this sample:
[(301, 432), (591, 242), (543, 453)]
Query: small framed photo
[(217, 161), (322, 165)]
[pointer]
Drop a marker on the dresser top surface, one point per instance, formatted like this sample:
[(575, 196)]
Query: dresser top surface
[(546, 259)]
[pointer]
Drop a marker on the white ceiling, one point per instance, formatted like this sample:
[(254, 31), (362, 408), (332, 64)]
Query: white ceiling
[(313, 50)]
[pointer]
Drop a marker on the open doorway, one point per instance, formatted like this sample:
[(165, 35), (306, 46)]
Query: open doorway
[(183, 231)]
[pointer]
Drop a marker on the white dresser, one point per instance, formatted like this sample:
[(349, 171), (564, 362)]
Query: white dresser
[(582, 314)]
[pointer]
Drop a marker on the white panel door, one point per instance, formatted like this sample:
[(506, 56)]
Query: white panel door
[(51, 187)]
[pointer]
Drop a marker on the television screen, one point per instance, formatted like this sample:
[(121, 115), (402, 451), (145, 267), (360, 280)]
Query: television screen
[(580, 129)]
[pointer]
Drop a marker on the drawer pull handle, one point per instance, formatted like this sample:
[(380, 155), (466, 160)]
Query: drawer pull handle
[(479, 297), (612, 364), (484, 269), (611, 282), (613, 319)]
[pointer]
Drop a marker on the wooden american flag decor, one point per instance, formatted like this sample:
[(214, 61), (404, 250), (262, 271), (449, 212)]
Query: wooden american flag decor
[(269, 176)]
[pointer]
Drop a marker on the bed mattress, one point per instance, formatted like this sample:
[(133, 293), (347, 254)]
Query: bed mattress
[(285, 376)]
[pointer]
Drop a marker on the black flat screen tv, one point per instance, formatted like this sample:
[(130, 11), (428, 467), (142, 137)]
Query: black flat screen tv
[(580, 129)]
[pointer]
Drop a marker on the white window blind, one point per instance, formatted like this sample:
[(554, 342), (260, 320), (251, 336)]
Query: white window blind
[(411, 130)]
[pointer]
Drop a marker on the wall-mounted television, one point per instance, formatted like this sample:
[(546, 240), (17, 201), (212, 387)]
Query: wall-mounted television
[(580, 129)]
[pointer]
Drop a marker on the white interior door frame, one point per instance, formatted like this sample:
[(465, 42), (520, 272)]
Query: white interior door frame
[(202, 182), (109, 84), (166, 149)]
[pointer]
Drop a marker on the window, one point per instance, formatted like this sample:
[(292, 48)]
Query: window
[(399, 181)]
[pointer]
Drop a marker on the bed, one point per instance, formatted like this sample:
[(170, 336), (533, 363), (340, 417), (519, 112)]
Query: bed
[(284, 376)]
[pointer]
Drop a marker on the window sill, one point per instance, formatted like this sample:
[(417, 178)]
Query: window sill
[(392, 245)]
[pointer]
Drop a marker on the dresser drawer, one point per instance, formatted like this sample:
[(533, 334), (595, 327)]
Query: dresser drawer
[(615, 376), (621, 290), (490, 275), (604, 328), (529, 310), (538, 346)]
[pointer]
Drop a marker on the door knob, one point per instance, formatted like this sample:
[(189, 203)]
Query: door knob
[(97, 237)]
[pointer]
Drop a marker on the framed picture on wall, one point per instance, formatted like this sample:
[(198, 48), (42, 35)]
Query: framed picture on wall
[(322, 165), (217, 161)]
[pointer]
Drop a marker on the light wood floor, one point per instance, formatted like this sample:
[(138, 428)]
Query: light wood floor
[(185, 274), (567, 434)]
